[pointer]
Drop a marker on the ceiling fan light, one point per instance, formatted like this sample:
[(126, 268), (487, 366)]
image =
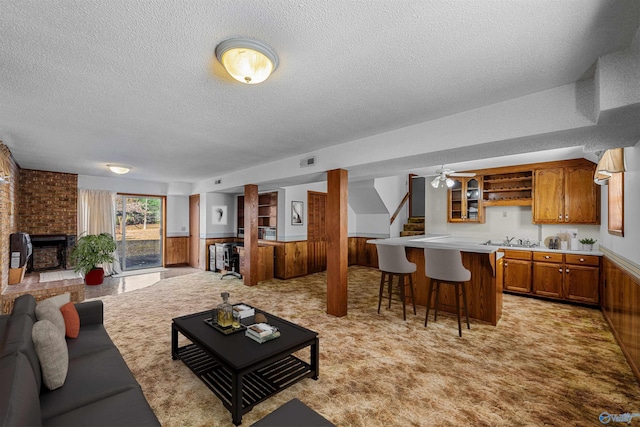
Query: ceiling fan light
[(436, 182), (450, 182), (247, 61), (119, 169)]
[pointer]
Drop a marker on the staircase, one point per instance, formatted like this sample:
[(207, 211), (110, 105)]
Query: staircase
[(414, 227)]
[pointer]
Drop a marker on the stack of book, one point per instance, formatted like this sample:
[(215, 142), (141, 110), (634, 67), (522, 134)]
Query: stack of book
[(244, 310), (262, 332)]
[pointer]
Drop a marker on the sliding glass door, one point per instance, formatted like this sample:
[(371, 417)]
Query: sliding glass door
[(139, 225)]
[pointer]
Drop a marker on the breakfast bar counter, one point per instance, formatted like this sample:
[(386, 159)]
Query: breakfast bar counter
[(484, 290)]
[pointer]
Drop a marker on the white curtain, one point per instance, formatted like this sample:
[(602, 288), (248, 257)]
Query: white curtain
[(97, 214)]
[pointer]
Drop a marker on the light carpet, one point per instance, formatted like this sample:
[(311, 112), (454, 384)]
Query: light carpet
[(52, 276), (544, 364)]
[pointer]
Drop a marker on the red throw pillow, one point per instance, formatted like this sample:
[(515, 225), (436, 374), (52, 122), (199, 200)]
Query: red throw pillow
[(71, 320)]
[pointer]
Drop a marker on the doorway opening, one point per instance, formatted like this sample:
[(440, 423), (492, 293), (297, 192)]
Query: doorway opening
[(140, 231)]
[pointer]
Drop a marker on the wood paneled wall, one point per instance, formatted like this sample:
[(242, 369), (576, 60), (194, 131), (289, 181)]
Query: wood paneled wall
[(621, 309), (177, 251), (362, 253)]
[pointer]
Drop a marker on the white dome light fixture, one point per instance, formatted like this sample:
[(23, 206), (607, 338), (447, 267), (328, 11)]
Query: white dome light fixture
[(119, 169), (247, 61)]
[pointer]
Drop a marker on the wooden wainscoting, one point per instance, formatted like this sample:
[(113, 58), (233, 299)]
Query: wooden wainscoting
[(177, 250), (362, 253), (290, 258), (621, 308)]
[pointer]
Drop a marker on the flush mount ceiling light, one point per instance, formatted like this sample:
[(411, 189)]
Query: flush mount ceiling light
[(119, 169), (247, 61), (612, 161)]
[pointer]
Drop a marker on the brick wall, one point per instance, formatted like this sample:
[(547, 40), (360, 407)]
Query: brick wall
[(47, 204), (8, 217)]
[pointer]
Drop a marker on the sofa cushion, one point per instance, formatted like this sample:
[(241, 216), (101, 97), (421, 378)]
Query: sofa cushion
[(59, 300), (71, 320), (17, 338), (48, 310), (52, 353), (93, 339), (127, 408), (19, 404), (91, 378)]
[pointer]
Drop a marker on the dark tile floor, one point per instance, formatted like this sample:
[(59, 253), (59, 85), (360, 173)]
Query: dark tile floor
[(117, 285)]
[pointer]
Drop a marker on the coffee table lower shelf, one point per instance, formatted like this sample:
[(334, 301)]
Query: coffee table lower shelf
[(257, 385)]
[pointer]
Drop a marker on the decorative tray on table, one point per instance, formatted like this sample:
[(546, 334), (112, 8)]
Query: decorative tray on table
[(228, 330)]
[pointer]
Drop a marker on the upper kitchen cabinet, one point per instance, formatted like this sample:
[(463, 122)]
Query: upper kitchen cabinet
[(566, 194), (465, 200)]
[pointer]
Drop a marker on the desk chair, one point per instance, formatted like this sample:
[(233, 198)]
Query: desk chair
[(445, 266), (232, 260), (392, 261)]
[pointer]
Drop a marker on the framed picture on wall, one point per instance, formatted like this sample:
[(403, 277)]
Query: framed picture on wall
[(297, 213)]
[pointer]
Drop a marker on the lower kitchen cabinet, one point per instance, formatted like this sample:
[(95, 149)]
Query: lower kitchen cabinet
[(548, 274), (567, 276), (517, 271), (582, 278)]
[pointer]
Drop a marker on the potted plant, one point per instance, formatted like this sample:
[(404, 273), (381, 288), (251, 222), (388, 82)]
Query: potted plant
[(90, 251), (587, 243)]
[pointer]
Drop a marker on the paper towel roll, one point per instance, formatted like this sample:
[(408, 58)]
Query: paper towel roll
[(574, 244)]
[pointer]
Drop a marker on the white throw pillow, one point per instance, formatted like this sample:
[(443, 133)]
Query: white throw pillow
[(59, 300), (48, 310), (53, 354)]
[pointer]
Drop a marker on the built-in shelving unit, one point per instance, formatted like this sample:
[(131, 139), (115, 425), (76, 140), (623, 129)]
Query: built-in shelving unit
[(267, 216), (508, 189)]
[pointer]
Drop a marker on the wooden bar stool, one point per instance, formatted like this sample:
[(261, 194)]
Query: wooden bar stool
[(445, 266), (392, 261)]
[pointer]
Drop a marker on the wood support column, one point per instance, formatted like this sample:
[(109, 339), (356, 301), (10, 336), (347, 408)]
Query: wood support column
[(251, 268), (337, 242)]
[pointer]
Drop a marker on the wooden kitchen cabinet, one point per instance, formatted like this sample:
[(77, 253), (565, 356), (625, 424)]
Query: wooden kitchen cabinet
[(567, 276), (566, 195), (517, 271), (465, 200), (548, 274), (582, 278)]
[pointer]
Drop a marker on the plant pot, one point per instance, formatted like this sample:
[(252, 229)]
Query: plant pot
[(587, 246), (94, 277)]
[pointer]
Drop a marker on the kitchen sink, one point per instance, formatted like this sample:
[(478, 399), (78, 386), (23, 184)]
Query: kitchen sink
[(510, 245), (516, 245)]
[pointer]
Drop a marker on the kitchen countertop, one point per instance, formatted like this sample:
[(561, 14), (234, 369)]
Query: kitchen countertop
[(464, 244)]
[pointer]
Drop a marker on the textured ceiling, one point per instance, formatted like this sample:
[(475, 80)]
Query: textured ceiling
[(86, 83)]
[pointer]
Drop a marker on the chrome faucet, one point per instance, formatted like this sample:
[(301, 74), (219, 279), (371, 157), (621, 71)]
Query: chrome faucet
[(508, 240)]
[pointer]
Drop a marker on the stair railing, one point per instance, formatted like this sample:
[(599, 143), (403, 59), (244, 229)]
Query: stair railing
[(402, 203)]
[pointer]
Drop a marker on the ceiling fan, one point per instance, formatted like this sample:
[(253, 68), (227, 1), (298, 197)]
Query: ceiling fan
[(442, 178)]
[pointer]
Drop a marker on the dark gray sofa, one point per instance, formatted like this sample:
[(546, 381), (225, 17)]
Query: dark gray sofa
[(99, 389)]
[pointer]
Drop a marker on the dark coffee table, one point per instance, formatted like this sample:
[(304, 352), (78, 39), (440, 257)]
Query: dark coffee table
[(240, 371)]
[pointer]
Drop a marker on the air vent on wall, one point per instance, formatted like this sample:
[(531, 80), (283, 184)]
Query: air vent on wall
[(218, 181), (309, 161)]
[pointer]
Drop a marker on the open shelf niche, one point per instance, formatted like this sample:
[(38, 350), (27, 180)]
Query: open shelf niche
[(513, 189), (267, 216)]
